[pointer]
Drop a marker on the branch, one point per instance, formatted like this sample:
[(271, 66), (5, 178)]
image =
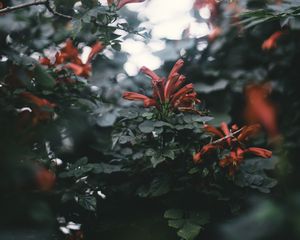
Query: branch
[(24, 5), (227, 136), (46, 3)]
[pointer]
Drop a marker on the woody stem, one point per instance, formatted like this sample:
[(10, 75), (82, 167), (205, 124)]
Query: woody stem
[(227, 136), (46, 3)]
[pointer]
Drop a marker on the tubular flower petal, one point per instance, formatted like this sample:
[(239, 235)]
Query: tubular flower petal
[(236, 146), (69, 57), (197, 158), (40, 111), (139, 97), (225, 129), (67, 53), (213, 130), (170, 85), (83, 70), (261, 152), (181, 92), (248, 131), (180, 80), (178, 65), (97, 47), (271, 42), (168, 93), (150, 73), (40, 102)]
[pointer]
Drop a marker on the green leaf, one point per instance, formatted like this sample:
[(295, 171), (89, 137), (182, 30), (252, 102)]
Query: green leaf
[(68, 196), (155, 160), (159, 187), (116, 46), (146, 126), (89, 3), (177, 223), (42, 78), (79, 162), (173, 214), (106, 168), (169, 154), (189, 231), (87, 202)]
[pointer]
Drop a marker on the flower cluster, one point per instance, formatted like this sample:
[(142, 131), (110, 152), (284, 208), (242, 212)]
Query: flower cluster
[(260, 109), (70, 58), (233, 140), (168, 94), (40, 110)]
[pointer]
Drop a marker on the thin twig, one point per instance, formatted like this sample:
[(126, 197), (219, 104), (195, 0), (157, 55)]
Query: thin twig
[(24, 5), (227, 136), (46, 3)]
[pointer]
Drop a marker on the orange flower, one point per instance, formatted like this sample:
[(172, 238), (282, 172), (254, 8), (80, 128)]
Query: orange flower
[(40, 111), (271, 42), (197, 158), (233, 140), (69, 55), (259, 109), (232, 161), (40, 102), (167, 94), (139, 97), (264, 153), (45, 179)]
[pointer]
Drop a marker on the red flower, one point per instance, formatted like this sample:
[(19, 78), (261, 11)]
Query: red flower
[(264, 153), (83, 70), (168, 94), (233, 140), (139, 97), (271, 42), (232, 161), (40, 102), (45, 179), (41, 110), (197, 158), (259, 109), (69, 55)]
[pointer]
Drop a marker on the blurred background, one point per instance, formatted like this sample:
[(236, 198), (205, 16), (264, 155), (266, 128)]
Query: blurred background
[(242, 57)]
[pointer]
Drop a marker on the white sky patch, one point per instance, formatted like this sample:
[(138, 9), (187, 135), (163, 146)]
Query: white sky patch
[(198, 30), (85, 54), (157, 45), (131, 69), (167, 19), (173, 28), (205, 12), (141, 55)]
